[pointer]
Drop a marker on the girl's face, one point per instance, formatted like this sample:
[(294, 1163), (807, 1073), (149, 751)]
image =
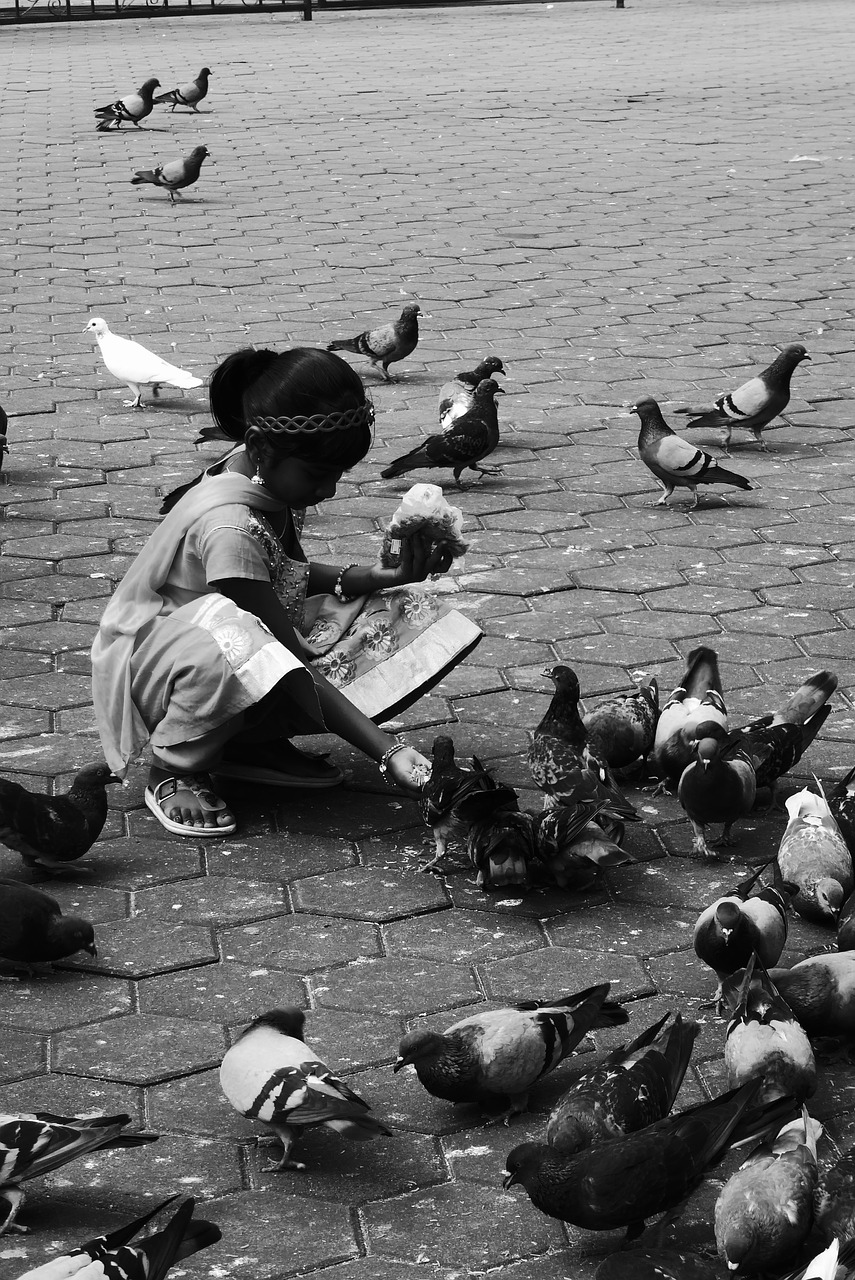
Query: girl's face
[(298, 483)]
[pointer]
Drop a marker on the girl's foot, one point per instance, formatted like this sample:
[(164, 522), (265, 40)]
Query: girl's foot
[(187, 805)]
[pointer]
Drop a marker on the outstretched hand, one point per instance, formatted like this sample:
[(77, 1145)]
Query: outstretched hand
[(408, 769), (420, 557)]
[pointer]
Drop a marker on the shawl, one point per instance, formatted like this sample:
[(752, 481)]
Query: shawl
[(137, 601)]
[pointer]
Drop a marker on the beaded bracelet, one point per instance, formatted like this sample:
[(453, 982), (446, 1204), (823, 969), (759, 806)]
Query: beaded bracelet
[(338, 589), (383, 762)]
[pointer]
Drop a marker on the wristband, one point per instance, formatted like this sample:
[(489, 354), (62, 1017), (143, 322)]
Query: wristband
[(383, 762), (338, 589)]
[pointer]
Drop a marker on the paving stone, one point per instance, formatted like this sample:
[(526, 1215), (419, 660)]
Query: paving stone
[(555, 972), (74, 1096), (462, 937), (227, 993), (347, 815), (619, 928), (195, 1104), (140, 1049), (207, 1168), (21, 1054), (223, 899), (686, 885), (402, 986), (264, 858), (301, 942), (133, 863), (64, 1000), (367, 893), (277, 1235), (136, 948), (460, 1226)]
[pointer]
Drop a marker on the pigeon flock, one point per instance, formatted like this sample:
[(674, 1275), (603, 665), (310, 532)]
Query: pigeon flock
[(612, 1155)]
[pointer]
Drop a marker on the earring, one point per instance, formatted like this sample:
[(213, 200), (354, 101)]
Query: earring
[(256, 479)]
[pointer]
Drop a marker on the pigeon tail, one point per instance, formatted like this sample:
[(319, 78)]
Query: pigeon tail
[(348, 344), (719, 475), (702, 673), (808, 700)]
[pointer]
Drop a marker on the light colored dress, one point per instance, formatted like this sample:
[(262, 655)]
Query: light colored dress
[(174, 660)]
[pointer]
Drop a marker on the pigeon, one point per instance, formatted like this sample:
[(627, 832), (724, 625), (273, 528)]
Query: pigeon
[(719, 785), (4, 444), (697, 698), (756, 402), (33, 929), (173, 176), (35, 1144), (841, 802), (564, 767), (777, 742), (631, 1178), (571, 848), (634, 1087), (834, 1263), (763, 1214), (765, 1039), (189, 95), (834, 1200), (499, 838), (113, 1257), (130, 110), (270, 1074), (49, 831), (654, 1264), (457, 397), (820, 991), (813, 856), (444, 789), (622, 729), (674, 461), (747, 920), (387, 344), (471, 438), (132, 364), (846, 925), (501, 1053)]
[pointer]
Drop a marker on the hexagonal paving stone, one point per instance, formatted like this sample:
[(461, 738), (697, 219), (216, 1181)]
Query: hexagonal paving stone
[(779, 621), (268, 1234), (352, 1041), (21, 1054), (64, 1000), (301, 942), (90, 901), (219, 898), (555, 972), (228, 993), (368, 893), (620, 928), (461, 1226), (395, 985), (140, 1049), (135, 948), (375, 1268), (344, 813), (353, 1172), (131, 863), (195, 1104), (190, 1165), (280, 857), (74, 1096), (461, 937)]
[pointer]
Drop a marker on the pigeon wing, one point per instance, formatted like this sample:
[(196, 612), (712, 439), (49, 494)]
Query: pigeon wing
[(750, 399), (676, 458), (381, 342), (129, 361)]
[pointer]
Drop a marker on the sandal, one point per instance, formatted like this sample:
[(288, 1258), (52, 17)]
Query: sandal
[(197, 785), (284, 765)]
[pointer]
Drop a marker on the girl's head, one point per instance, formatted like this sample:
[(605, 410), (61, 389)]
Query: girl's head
[(264, 399)]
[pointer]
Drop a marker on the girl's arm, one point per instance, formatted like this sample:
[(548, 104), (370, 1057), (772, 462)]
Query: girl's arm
[(419, 558), (340, 715)]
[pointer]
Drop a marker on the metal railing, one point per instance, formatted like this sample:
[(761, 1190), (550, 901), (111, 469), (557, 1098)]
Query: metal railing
[(87, 10)]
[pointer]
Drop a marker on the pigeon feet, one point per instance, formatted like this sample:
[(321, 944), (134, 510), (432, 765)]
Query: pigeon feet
[(700, 845)]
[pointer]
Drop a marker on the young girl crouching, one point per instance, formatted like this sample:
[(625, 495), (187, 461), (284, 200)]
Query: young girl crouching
[(222, 641)]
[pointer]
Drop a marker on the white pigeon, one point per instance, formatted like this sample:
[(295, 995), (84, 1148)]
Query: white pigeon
[(133, 364)]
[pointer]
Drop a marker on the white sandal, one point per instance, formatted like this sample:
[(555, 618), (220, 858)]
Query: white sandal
[(200, 788)]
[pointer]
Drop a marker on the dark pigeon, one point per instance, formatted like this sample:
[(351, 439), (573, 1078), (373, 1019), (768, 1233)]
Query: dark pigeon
[(456, 397), (50, 831), (33, 929), (719, 785), (387, 344), (470, 439), (189, 95)]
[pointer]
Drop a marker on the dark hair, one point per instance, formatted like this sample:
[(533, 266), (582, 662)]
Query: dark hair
[(298, 383)]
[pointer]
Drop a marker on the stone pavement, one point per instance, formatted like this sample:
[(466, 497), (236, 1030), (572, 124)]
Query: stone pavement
[(619, 204)]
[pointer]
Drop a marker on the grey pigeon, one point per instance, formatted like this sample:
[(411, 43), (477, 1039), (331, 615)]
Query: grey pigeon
[(37, 1143), (50, 831), (470, 439), (387, 344), (33, 929), (129, 110), (754, 404), (114, 1256), (501, 1053), (174, 175), (271, 1074), (621, 730), (698, 697), (4, 447), (456, 397), (189, 95), (673, 461)]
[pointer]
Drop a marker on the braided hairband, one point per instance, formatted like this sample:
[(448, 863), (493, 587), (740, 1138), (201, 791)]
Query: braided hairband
[(341, 420)]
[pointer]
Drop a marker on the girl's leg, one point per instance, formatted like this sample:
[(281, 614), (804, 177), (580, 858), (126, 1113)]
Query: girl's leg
[(186, 796)]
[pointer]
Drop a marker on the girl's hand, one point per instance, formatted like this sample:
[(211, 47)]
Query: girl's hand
[(408, 769), (419, 559)]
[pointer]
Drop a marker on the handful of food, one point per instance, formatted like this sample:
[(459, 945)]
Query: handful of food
[(423, 509)]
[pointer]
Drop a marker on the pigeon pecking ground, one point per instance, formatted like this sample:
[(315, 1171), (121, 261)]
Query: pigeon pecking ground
[(614, 223)]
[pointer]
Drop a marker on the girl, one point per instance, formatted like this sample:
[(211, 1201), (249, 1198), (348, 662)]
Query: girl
[(222, 641)]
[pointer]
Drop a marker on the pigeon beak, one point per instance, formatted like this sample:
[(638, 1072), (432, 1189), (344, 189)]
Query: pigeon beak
[(633, 409), (398, 1064), (113, 778), (509, 1180), (705, 763), (500, 391), (93, 950), (806, 356)]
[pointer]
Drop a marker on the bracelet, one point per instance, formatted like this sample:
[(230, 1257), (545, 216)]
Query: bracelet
[(383, 762), (338, 589)]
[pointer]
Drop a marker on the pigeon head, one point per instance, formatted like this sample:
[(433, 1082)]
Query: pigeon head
[(728, 917), (288, 1022), (737, 1244), (411, 310), (487, 367), (487, 388), (206, 71), (93, 778), (443, 751), (78, 935), (97, 326), (645, 408), (199, 153), (524, 1161), (794, 354), (708, 749), (829, 897), (420, 1046), (565, 680), (147, 89)]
